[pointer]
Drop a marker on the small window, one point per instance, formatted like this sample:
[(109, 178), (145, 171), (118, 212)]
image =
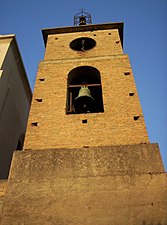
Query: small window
[(86, 146), (38, 99), (136, 118), (126, 73), (34, 124), (82, 44), (84, 121), (42, 79), (131, 93)]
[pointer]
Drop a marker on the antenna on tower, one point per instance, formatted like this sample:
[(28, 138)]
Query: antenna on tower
[(82, 18)]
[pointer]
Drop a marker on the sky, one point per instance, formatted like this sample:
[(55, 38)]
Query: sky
[(145, 36)]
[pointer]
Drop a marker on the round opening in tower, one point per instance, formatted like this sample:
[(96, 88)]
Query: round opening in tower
[(82, 44)]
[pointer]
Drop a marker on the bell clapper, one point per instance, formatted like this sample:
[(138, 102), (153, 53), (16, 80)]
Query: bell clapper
[(83, 42)]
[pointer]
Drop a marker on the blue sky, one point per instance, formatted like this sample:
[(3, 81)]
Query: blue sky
[(145, 36)]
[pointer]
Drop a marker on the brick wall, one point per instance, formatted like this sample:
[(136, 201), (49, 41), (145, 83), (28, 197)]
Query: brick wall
[(107, 43), (116, 126)]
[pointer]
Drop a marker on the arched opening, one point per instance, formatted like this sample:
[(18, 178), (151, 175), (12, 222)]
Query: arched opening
[(84, 91)]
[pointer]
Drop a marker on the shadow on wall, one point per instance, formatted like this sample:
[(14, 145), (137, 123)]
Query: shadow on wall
[(6, 158), (145, 223)]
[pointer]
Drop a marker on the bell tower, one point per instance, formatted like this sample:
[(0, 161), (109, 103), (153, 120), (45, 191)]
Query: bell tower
[(85, 94), (87, 158)]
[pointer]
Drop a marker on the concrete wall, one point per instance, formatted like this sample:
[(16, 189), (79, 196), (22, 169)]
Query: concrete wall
[(15, 98), (121, 185)]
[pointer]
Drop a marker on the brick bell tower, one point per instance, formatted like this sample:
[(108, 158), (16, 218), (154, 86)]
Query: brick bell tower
[(87, 159)]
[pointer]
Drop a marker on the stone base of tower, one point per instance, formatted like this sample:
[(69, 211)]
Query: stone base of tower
[(118, 185)]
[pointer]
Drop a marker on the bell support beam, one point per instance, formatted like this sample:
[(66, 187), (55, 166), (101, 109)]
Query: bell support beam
[(87, 85)]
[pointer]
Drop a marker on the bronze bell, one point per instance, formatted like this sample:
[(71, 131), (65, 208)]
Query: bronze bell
[(82, 20), (84, 103)]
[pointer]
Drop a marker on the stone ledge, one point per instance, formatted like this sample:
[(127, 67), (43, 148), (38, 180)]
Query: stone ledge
[(85, 162)]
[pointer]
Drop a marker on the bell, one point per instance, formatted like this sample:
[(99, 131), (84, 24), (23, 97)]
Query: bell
[(82, 20), (84, 103)]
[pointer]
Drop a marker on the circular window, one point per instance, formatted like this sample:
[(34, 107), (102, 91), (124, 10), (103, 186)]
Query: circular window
[(82, 44)]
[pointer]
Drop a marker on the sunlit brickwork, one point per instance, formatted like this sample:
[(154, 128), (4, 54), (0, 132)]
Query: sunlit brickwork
[(117, 125)]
